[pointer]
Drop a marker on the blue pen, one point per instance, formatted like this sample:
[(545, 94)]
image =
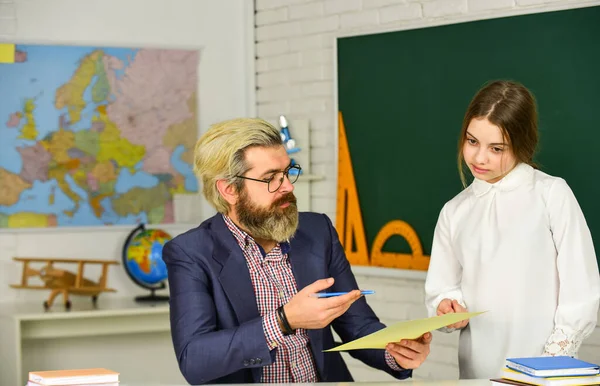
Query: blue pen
[(332, 294)]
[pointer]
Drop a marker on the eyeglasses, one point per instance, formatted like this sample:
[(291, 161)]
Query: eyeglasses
[(274, 182)]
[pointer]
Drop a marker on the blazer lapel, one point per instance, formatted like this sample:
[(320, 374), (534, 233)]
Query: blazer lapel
[(234, 276), (235, 280), (308, 267)]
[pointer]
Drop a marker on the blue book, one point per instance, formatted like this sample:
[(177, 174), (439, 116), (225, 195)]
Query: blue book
[(559, 366)]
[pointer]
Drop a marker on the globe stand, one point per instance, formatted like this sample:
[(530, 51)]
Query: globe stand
[(152, 297)]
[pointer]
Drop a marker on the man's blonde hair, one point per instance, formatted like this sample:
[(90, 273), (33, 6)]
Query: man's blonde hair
[(220, 154)]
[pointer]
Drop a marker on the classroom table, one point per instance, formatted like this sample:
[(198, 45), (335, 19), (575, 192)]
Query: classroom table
[(411, 382)]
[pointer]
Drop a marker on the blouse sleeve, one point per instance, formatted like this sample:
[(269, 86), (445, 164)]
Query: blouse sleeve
[(444, 274), (579, 281)]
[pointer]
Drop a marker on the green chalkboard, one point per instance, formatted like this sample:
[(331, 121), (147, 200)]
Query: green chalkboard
[(403, 95)]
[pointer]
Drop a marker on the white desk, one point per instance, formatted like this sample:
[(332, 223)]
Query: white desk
[(119, 333), (470, 382)]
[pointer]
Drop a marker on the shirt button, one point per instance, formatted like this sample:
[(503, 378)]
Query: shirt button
[(281, 295), (274, 344), (258, 361), (293, 365), (252, 361)]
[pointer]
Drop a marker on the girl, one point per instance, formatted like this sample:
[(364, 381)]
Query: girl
[(514, 243)]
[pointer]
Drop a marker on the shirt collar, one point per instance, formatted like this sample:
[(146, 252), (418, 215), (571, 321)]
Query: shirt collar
[(244, 239), (516, 177)]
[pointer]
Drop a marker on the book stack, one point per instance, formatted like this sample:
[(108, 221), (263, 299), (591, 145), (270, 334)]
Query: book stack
[(549, 371), (78, 377)]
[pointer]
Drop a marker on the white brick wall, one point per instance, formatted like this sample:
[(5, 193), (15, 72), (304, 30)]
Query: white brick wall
[(441, 8), (295, 70)]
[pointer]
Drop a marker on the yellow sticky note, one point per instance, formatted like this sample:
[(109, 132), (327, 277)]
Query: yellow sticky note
[(411, 329), (7, 53)]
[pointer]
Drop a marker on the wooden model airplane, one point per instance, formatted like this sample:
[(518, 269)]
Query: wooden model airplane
[(63, 282)]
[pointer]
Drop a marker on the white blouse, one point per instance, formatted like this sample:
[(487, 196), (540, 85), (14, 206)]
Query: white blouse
[(520, 249)]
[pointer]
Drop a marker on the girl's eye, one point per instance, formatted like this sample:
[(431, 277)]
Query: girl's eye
[(471, 141), (497, 149)]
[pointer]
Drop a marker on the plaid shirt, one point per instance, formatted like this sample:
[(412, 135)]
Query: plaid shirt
[(274, 285)]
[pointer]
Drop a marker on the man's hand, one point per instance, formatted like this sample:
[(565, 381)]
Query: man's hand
[(305, 311), (448, 306), (408, 353)]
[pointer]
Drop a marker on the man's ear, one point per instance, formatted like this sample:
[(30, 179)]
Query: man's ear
[(227, 191)]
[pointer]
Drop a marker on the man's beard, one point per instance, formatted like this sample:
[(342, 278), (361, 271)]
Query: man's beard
[(272, 223)]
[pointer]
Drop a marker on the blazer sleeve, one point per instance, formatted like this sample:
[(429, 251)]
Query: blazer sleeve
[(204, 351), (359, 320)]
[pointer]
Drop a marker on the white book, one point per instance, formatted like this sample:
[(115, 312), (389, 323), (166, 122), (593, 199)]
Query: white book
[(79, 384), (73, 377)]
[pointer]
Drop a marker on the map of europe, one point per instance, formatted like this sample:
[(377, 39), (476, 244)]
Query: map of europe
[(94, 136)]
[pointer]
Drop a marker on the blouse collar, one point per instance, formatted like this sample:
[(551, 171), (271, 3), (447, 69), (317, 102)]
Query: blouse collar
[(516, 177)]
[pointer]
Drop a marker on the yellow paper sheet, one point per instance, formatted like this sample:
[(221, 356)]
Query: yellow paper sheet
[(411, 329), (7, 53)]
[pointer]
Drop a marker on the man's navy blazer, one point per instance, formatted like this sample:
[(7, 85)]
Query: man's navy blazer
[(216, 328)]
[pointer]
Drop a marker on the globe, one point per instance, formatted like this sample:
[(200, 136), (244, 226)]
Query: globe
[(142, 260)]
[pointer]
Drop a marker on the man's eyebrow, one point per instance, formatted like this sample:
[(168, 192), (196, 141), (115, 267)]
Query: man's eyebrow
[(271, 171)]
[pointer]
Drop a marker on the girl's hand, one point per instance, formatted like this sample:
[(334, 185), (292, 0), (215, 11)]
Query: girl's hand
[(448, 306)]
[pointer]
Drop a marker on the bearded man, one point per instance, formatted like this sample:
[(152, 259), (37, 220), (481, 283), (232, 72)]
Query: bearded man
[(243, 307)]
